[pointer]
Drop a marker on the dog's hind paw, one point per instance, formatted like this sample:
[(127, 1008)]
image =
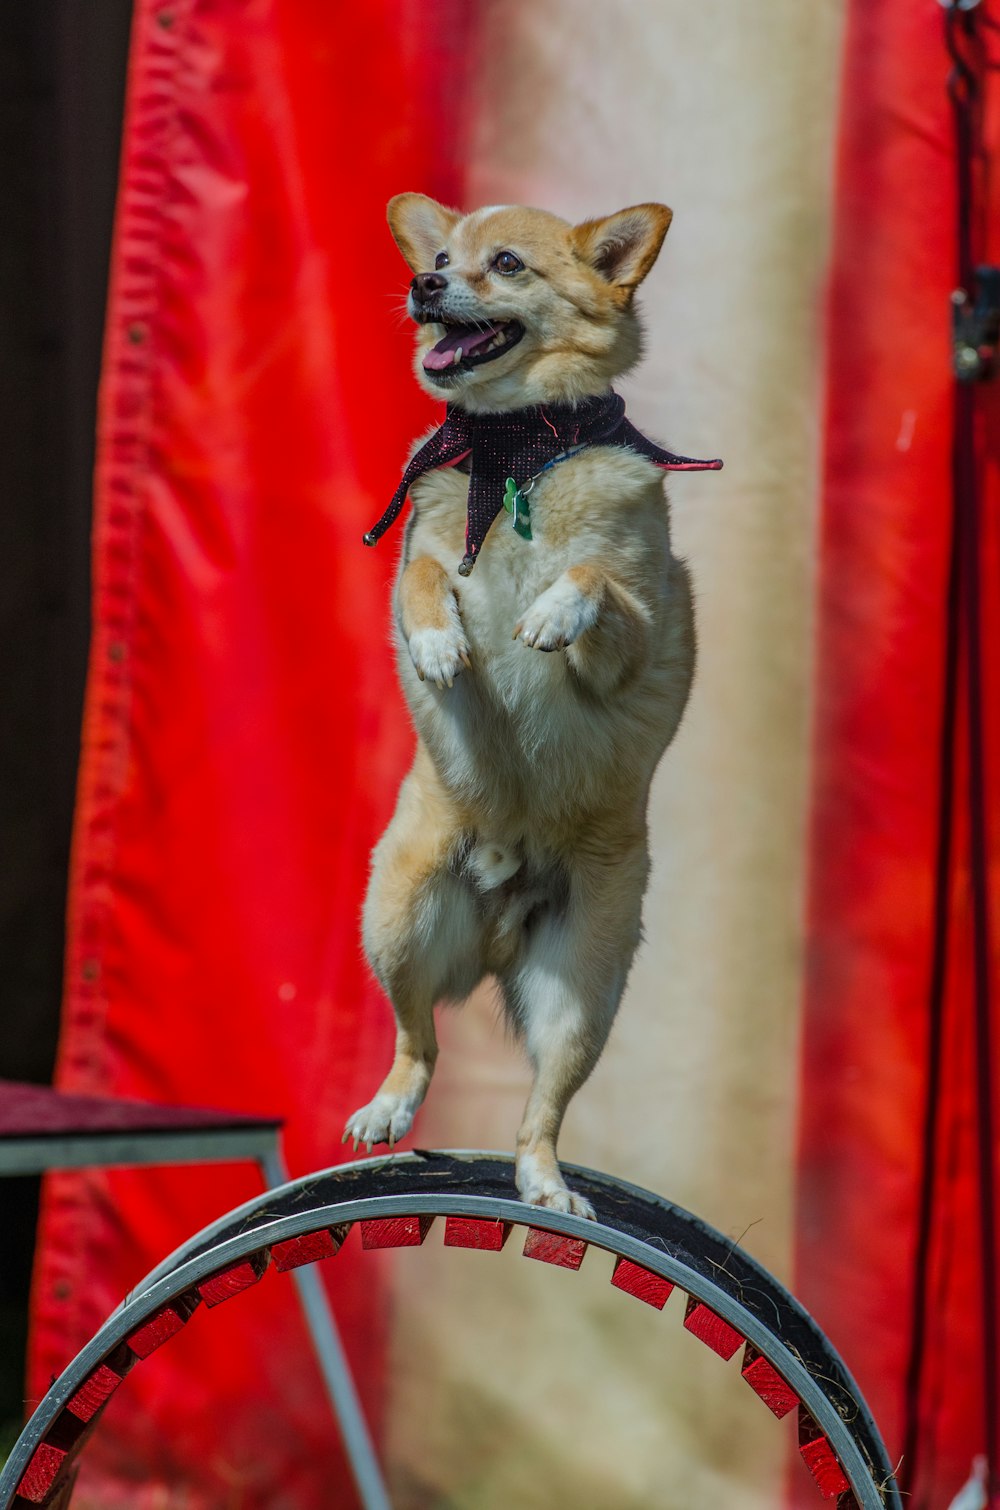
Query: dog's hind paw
[(551, 1191), (567, 1200), (439, 655)]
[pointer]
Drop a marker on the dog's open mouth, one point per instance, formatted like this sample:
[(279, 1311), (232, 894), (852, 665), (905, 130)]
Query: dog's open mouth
[(467, 346)]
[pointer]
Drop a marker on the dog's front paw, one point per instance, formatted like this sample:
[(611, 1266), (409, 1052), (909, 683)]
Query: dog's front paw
[(438, 655), (558, 617)]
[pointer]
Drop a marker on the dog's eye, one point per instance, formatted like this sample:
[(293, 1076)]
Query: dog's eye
[(507, 263), (441, 260)]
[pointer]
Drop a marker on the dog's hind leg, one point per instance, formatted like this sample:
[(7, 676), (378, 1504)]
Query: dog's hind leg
[(563, 995), (423, 938)]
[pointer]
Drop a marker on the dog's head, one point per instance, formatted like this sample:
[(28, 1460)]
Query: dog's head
[(518, 307)]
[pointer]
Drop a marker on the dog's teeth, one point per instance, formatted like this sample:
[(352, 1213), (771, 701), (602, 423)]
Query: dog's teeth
[(457, 357)]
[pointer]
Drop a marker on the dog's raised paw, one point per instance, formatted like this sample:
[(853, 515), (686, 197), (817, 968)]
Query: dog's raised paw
[(384, 1120), (557, 617), (438, 655)]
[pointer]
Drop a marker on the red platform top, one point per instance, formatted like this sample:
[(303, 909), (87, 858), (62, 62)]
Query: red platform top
[(35, 1111)]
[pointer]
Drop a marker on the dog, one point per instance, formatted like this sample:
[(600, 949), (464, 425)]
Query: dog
[(545, 684)]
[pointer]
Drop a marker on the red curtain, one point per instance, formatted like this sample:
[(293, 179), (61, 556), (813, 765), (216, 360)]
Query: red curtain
[(243, 737), (243, 740), (870, 1060)]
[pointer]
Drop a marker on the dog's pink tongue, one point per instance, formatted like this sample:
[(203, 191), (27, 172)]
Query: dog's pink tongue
[(469, 337)]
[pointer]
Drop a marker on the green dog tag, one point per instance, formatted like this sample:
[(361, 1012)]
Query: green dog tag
[(517, 505)]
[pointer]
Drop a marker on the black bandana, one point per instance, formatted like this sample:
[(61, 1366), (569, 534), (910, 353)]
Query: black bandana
[(517, 443)]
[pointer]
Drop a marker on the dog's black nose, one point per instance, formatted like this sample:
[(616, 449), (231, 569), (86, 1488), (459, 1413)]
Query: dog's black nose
[(426, 285)]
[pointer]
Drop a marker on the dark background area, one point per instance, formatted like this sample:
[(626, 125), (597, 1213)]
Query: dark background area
[(62, 86)]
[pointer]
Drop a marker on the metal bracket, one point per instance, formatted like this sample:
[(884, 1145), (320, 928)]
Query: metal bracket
[(975, 327)]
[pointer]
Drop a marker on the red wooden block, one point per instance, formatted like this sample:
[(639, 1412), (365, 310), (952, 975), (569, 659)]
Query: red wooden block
[(163, 1324), (234, 1280), (819, 1458), (642, 1283), (98, 1387), (41, 1473), (764, 1379), (395, 1231), (554, 1248), (474, 1232), (308, 1248), (711, 1329), (94, 1392), (49, 1477)]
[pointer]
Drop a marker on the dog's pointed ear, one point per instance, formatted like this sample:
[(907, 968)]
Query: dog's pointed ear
[(420, 227), (623, 247)]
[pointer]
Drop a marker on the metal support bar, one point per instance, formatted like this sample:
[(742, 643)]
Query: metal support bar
[(333, 1365)]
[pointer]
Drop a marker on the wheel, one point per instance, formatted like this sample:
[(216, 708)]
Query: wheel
[(730, 1301)]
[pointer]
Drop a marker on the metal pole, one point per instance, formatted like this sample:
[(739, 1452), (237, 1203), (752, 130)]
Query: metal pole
[(333, 1365)]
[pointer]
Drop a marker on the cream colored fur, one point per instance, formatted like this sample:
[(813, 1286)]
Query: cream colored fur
[(544, 687)]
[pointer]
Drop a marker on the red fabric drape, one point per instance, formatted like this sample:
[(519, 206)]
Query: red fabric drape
[(243, 738), (884, 551)]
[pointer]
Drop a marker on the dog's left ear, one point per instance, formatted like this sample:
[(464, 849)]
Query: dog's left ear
[(420, 228), (623, 247)]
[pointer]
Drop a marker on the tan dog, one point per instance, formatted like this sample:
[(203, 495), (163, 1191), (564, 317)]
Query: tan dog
[(518, 847)]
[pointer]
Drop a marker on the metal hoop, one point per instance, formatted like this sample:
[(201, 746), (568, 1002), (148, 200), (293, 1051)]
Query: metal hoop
[(732, 1301)]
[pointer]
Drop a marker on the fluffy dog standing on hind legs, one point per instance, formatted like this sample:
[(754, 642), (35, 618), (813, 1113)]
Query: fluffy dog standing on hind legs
[(546, 656)]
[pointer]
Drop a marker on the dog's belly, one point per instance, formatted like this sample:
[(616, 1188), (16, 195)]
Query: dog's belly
[(520, 746), (518, 741)]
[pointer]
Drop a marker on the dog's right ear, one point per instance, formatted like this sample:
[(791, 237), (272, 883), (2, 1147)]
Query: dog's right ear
[(420, 228)]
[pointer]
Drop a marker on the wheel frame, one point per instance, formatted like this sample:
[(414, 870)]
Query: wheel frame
[(633, 1224)]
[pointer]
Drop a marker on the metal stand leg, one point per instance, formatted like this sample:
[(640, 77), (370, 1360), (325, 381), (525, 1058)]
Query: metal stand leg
[(333, 1366)]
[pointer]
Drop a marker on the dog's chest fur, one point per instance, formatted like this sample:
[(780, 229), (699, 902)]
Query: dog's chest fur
[(524, 742)]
